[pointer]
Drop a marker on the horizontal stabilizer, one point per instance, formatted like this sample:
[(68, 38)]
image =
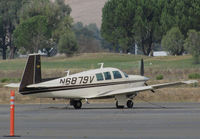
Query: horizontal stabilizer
[(13, 85)]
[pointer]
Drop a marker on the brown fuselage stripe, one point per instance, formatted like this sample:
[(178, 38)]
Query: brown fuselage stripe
[(28, 91)]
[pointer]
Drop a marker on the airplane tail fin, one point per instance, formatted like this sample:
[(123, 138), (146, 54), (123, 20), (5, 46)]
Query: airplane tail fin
[(32, 72)]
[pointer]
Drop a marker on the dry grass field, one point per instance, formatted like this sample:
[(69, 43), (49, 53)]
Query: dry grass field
[(180, 94), (172, 68)]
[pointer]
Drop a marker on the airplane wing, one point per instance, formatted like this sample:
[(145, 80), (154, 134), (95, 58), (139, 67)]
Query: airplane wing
[(143, 88), (13, 85), (157, 86)]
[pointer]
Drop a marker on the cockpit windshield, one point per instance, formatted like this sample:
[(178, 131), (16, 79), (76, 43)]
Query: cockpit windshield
[(126, 75)]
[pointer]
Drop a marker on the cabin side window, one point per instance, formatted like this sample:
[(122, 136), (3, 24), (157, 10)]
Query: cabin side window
[(99, 76), (117, 75), (107, 75)]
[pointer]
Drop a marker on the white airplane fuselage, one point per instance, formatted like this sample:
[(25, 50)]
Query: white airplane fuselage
[(86, 84)]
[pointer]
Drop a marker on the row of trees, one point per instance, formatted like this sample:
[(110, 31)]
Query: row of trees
[(145, 22), (31, 25)]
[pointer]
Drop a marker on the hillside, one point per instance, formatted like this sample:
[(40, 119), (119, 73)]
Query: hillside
[(87, 11)]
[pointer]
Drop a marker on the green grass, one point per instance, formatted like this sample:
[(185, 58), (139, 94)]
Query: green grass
[(7, 80), (174, 64), (88, 61), (17, 64), (194, 76)]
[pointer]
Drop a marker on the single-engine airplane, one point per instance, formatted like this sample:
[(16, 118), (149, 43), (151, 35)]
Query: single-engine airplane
[(91, 84)]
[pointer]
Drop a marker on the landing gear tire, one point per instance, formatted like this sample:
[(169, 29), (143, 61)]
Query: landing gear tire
[(119, 106), (130, 104), (76, 103)]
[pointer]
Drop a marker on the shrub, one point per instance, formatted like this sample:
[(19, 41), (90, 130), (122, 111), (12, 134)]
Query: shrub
[(4, 80), (194, 76), (9, 80), (192, 45), (173, 41), (159, 77)]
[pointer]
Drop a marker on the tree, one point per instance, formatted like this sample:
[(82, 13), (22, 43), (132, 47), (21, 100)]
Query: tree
[(182, 13), (192, 44), (9, 20), (117, 16), (187, 13), (62, 27), (1, 31), (57, 22), (144, 22), (88, 37), (173, 41), (54, 11), (31, 34), (67, 44), (126, 22), (147, 27)]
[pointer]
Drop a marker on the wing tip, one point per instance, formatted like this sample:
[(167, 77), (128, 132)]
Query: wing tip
[(190, 82)]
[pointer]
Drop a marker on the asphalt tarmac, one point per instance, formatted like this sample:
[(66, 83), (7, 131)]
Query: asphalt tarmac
[(104, 121)]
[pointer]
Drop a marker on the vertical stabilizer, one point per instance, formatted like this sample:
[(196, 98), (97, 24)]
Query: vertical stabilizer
[(32, 72)]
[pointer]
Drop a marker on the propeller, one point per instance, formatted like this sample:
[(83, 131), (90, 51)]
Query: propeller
[(151, 89), (142, 72)]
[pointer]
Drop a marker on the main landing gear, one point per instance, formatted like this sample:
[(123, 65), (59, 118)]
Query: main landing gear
[(76, 103), (119, 106), (129, 104)]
